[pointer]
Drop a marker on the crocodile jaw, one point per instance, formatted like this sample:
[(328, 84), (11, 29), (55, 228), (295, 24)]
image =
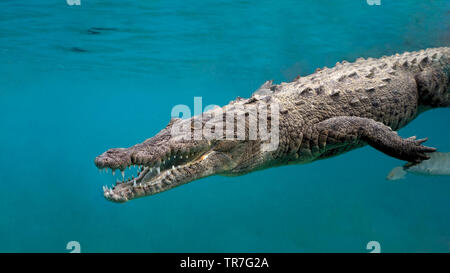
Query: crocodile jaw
[(155, 174), (152, 180)]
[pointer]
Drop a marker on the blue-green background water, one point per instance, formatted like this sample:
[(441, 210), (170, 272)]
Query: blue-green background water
[(68, 92)]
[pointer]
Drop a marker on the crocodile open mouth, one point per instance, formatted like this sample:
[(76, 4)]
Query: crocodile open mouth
[(139, 180)]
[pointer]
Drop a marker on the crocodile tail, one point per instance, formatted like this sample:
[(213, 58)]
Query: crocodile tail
[(433, 78)]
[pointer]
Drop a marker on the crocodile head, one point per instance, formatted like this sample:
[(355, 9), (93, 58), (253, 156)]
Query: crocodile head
[(171, 159)]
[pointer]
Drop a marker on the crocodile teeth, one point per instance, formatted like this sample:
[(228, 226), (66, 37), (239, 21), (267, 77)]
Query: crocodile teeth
[(173, 167), (123, 175), (158, 169)]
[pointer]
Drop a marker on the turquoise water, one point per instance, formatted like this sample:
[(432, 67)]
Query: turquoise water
[(77, 80)]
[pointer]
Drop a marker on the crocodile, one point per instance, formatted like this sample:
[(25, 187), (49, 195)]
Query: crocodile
[(321, 115)]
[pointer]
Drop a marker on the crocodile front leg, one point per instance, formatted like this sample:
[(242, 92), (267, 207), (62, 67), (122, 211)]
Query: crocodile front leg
[(340, 131)]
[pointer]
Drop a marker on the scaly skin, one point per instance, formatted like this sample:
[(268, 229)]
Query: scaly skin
[(321, 115)]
